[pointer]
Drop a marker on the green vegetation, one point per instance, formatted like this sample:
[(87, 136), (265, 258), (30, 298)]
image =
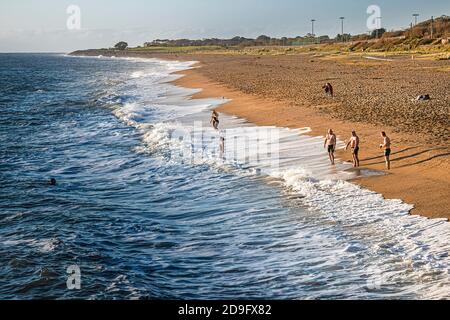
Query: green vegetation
[(430, 37), (432, 32), (122, 45), (179, 49), (239, 42)]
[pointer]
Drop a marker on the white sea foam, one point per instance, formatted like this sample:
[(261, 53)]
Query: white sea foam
[(179, 130), (44, 245), (121, 283)]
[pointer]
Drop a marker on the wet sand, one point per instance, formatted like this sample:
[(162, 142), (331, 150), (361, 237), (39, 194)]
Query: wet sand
[(420, 172)]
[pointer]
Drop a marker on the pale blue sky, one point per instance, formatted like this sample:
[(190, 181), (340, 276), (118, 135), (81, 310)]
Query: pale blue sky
[(40, 25)]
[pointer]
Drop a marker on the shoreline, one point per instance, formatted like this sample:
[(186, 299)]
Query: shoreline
[(420, 172), (243, 105)]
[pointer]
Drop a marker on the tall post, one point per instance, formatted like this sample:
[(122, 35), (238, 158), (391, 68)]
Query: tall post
[(415, 15), (312, 27), (446, 19), (378, 26), (342, 28), (432, 20)]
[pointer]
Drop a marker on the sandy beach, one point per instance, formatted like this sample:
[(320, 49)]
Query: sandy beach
[(371, 94), (420, 172), (202, 152)]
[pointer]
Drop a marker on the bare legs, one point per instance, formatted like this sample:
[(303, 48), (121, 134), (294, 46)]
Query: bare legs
[(355, 160), (331, 155), (222, 147), (388, 162)]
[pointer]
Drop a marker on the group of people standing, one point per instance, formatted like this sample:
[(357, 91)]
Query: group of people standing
[(354, 142), (329, 143)]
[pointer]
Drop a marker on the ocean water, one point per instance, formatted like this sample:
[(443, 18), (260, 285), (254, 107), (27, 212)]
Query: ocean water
[(147, 206)]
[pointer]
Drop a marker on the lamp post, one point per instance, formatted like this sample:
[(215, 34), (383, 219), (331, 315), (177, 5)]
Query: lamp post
[(416, 16), (432, 20), (378, 26), (342, 28)]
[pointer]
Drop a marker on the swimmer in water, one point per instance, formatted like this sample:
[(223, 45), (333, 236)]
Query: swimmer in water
[(222, 143)]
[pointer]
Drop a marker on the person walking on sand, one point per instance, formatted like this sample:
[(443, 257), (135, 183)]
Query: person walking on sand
[(386, 145), (215, 120), (354, 144), (330, 144), (328, 89)]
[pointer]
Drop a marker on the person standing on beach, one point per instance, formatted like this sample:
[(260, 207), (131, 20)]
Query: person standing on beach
[(215, 120), (354, 144), (330, 144), (386, 145), (328, 89)]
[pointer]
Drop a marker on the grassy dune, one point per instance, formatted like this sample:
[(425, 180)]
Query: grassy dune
[(380, 47)]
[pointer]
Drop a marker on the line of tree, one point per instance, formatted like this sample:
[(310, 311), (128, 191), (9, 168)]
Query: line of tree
[(262, 40), (440, 27), (122, 45)]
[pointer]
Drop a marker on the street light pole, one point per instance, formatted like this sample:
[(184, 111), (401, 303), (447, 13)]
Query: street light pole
[(342, 28), (378, 26), (415, 15), (432, 20)]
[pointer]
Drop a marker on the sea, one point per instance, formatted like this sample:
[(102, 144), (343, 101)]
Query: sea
[(149, 201)]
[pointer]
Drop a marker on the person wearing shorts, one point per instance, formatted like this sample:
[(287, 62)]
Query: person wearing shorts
[(354, 144), (386, 145), (330, 144)]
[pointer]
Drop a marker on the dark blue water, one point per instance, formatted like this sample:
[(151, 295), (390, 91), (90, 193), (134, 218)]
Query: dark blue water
[(135, 229), (139, 227)]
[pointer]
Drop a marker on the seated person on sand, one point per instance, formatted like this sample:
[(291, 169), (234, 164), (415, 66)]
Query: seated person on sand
[(215, 120), (330, 144), (328, 89), (354, 144), (386, 145)]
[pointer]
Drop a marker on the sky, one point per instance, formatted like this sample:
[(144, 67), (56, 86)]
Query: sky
[(42, 25)]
